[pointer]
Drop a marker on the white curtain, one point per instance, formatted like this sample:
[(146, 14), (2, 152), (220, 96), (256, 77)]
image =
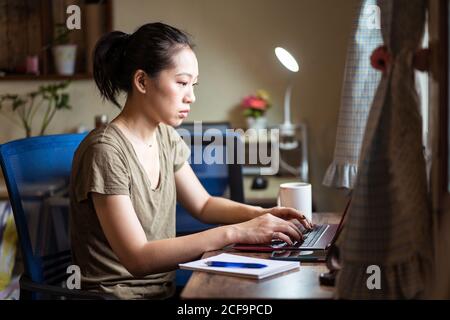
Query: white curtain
[(360, 84)]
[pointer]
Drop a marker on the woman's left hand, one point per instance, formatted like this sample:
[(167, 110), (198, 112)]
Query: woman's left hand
[(290, 214)]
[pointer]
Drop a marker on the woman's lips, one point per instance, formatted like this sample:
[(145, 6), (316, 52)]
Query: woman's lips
[(184, 113)]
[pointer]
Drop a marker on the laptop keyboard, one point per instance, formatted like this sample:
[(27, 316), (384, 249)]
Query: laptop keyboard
[(311, 236)]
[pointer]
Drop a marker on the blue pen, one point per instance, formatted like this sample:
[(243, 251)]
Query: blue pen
[(235, 264)]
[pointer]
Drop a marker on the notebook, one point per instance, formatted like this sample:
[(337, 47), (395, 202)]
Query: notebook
[(273, 267)]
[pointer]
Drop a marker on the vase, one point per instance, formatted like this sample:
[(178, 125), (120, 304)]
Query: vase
[(64, 57), (256, 123)]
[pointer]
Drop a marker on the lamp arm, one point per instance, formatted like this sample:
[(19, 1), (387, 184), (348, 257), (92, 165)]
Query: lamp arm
[(287, 105)]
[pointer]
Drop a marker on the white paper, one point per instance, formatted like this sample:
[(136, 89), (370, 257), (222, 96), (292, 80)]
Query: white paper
[(273, 266)]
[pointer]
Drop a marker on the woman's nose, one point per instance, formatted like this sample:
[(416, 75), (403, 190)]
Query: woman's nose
[(189, 97)]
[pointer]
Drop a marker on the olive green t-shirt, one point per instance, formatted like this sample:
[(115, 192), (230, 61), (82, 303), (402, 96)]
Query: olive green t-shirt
[(106, 163)]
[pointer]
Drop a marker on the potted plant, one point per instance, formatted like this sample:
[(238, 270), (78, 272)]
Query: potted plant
[(64, 53), (255, 107), (25, 106)]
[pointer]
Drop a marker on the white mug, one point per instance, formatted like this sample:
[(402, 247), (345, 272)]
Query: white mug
[(296, 195)]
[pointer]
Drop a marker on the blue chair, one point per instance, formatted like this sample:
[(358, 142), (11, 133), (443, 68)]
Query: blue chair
[(37, 172), (216, 178)]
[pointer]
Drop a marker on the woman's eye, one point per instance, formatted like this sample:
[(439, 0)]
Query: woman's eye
[(184, 84)]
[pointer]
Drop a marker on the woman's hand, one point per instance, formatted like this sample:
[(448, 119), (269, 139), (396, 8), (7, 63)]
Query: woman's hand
[(265, 228), (290, 214)]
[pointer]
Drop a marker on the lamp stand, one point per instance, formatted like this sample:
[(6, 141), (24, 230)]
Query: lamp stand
[(287, 128)]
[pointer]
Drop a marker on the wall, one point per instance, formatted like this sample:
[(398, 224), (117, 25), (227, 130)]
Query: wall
[(235, 41)]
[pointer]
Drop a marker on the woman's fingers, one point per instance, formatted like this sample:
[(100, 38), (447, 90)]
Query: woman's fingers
[(296, 229), (299, 226), (292, 232), (306, 223), (282, 236), (289, 230), (291, 213), (300, 217)]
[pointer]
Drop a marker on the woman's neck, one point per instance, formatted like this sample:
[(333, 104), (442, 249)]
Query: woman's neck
[(136, 124)]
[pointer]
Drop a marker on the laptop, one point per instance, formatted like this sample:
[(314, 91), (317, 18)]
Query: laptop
[(321, 237)]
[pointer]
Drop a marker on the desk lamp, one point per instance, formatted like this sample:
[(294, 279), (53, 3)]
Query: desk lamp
[(287, 129)]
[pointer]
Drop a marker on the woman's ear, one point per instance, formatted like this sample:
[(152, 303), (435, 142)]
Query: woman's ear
[(140, 81)]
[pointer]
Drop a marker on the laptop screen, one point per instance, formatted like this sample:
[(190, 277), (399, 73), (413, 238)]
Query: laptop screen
[(341, 224)]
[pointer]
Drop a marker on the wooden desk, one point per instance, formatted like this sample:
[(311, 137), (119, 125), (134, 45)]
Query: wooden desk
[(298, 284)]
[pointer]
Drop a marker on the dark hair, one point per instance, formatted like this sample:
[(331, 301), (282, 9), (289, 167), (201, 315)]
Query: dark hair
[(118, 55)]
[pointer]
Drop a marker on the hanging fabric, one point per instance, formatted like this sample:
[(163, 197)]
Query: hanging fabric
[(360, 84), (387, 233)]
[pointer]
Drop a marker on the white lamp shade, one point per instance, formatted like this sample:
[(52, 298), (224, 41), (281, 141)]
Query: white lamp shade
[(286, 59)]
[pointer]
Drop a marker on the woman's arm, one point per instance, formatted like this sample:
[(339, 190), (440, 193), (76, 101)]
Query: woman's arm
[(216, 210), (141, 257), (208, 209)]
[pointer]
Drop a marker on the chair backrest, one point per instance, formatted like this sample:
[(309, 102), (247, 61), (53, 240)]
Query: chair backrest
[(37, 172), (216, 165)]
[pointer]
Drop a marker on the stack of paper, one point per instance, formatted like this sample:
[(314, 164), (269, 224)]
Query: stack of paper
[(272, 266)]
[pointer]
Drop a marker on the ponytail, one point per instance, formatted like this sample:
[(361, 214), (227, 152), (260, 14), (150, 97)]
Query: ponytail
[(108, 56)]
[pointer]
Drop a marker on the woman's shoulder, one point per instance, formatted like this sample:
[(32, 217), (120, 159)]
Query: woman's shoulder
[(103, 139)]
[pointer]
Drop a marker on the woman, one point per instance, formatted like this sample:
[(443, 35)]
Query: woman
[(127, 175)]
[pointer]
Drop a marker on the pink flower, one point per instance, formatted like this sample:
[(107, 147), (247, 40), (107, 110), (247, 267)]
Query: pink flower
[(254, 103)]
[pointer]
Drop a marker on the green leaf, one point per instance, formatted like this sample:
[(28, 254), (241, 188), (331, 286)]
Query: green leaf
[(61, 34), (17, 103), (62, 101), (33, 94), (257, 113), (248, 113), (52, 94)]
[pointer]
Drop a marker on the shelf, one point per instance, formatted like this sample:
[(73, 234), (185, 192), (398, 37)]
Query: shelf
[(29, 29)]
